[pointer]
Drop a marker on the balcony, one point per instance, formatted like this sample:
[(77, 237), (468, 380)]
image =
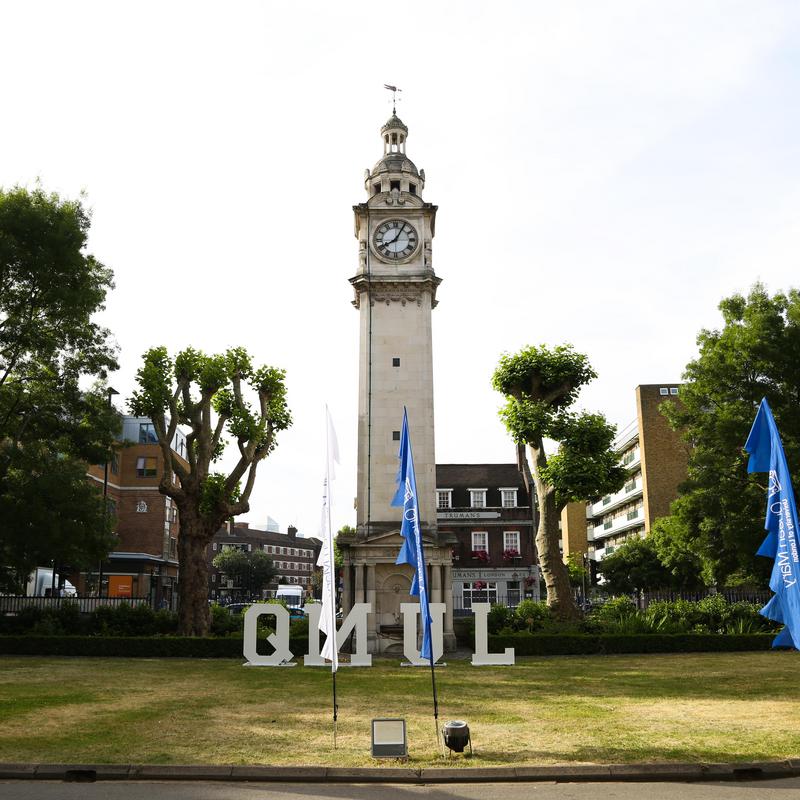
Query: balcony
[(633, 519), (631, 490), (631, 460)]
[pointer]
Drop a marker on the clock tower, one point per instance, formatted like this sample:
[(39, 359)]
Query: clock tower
[(395, 292)]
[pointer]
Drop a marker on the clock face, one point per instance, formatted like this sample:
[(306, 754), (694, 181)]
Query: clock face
[(395, 239)]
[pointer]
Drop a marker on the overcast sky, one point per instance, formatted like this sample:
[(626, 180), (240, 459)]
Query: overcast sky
[(605, 173)]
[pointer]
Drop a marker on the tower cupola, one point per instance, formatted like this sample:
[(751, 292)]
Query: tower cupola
[(394, 134), (394, 172)]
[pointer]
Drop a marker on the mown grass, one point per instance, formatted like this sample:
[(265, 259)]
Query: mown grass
[(612, 709)]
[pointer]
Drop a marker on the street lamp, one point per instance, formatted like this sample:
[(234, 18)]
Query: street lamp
[(111, 392)]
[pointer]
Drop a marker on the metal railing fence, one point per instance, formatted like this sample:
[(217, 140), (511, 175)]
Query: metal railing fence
[(13, 604)]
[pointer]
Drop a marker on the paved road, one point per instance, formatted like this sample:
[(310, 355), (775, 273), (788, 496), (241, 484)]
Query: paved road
[(784, 789)]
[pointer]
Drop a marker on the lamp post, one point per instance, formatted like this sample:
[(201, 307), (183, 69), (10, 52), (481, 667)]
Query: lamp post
[(111, 392), (585, 560)]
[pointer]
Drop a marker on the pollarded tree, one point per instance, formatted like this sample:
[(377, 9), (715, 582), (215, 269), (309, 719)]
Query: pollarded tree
[(209, 395), (540, 385)]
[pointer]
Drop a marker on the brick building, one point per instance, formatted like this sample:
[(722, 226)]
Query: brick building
[(294, 557), (144, 562), (655, 457), (488, 509)]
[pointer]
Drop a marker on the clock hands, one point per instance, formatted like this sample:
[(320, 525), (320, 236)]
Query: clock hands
[(402, 241)]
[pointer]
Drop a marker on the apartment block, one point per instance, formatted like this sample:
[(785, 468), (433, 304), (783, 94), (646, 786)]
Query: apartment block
[(293, 556), (655, 458)]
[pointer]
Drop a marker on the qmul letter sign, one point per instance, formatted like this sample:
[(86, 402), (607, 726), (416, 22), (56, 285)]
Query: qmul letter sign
[(356, 621)]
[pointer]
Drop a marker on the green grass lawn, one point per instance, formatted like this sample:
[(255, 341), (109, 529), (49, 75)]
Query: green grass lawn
[(611, 709)]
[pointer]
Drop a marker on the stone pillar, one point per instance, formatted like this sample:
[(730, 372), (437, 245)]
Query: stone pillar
[(347, 598), (372, 624), (436, 583), (359, 596), (449, 635)]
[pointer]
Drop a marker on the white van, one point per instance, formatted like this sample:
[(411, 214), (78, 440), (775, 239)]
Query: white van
[(290, 594)]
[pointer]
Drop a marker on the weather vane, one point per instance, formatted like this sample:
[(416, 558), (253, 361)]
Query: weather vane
[(394, 90)]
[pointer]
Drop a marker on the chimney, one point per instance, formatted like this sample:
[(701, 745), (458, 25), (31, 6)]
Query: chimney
[(245, 525), (292, 531), (231, 528)]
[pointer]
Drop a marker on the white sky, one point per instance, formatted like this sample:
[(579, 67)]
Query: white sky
[(605, 174)]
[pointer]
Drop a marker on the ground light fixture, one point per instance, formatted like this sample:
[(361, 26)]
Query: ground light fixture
[(456, 736), (389, 738)]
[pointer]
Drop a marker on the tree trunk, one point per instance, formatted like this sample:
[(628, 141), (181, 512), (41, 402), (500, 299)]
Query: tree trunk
[(194, 617), (548, 536)]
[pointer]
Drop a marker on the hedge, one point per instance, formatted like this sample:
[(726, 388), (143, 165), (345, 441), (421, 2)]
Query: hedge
[(600, 644), (523, 644), (134, 646)]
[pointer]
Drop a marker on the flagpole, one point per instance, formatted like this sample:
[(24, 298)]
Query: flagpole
[(435, 706), (332, 566), (412, 552)]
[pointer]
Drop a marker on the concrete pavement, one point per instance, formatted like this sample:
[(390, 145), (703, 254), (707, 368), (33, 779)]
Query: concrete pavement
[(455, 774)]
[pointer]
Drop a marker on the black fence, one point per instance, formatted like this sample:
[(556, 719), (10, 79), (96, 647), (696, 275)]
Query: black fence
[(13, 604), (738, 595), (462, 606)]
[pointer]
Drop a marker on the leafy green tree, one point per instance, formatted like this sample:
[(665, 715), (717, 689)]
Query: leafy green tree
[(675, 551), (540, 385), (262, 571), (348, 531), (50, 512), (212, 395), (252, 571), (719, 514), (234, 563), (50, 287), (633, 567), (576, 568)]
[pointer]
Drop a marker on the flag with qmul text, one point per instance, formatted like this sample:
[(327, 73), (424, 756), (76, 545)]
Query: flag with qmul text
[(411, 552), (781, 543), (326, 560)]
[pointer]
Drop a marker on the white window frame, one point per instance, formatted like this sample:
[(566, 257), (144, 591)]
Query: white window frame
[(469, 592), (482, 539), (513, 494), (511, 541), (447, 496), (477, 495)]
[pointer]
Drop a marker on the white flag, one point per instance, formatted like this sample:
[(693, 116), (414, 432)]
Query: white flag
[(327, 618)]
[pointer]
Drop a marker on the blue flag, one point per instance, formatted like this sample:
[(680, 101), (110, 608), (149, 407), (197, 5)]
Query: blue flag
[(411, 551), (766, 455)]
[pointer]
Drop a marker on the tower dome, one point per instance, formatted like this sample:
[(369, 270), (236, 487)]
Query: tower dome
[(394, 169)]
